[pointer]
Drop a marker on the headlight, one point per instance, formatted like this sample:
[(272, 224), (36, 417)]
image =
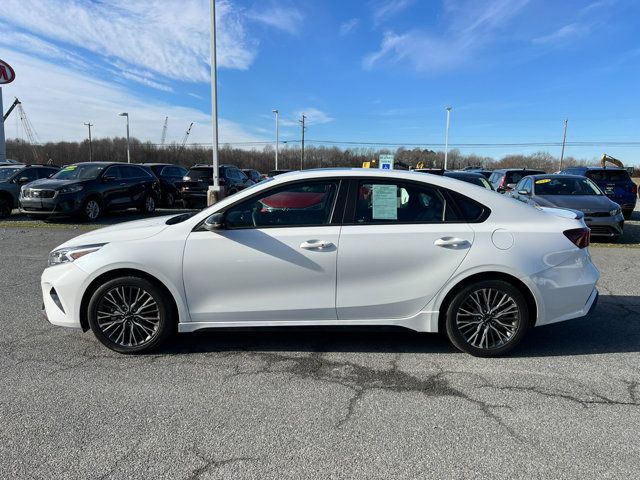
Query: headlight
[(70, 254), (71, 189), (615, 212), (186, 179)]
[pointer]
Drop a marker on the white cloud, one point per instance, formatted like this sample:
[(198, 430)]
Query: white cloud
[(59, 104), (288, 19), (386, 9), (349, 27), (563, 33), (313, 116), (168, 38), (470, 26)]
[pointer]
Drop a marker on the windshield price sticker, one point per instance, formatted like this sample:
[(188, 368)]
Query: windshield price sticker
[(69, 168), (544, 180), (385, 202)]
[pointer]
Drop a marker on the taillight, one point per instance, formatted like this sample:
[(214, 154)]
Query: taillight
[(634, 189), (580, 237), (503, 182)]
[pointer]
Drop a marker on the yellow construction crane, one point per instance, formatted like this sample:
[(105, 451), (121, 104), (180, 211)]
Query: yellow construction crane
[(608, 158)]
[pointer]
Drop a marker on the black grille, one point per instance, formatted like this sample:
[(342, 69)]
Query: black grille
[(602, 230), (597, 214)]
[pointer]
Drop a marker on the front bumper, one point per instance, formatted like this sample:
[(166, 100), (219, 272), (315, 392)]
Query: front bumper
[(605, 226), (65, 204), (62, 287)]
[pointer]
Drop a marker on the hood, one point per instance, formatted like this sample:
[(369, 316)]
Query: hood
[(123, 232), (52, 183), (584, 203)]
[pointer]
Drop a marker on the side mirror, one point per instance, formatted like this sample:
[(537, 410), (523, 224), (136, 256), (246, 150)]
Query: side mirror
[(23, 180), (511, 186), (108, 178), (215, 222), (523, 192)]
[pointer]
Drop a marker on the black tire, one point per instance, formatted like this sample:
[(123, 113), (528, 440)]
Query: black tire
[(170, 199), (627, 214), (468, 320), (119, 327), (91, 209), (5, 207), (148, 205)]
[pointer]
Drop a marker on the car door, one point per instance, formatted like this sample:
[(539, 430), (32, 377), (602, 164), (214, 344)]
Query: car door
[(137, 183), (274, 260), (115, 191), (397, 249)]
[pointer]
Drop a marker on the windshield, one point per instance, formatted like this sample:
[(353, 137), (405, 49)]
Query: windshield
[(6, 172), (79, 172), (609, 175), (566, 186)]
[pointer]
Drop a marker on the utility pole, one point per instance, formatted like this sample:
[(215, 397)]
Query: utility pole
[(302, 151), (125, 114), (564, 141), (446, 138), (276, 112), (213, 194), (90, 149)]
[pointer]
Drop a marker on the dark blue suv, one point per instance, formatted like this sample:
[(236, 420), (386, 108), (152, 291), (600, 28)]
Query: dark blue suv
[(614, 182)]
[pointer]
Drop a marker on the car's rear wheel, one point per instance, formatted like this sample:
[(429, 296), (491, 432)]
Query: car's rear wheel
[(170, 199), (131, 315), (487, 318), (148, 204), (91, 209), (5, 207)]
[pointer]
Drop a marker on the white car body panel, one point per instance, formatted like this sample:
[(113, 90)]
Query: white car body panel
[(376, 275)]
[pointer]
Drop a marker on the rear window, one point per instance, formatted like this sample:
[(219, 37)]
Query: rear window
[(470, 210), (515, 177), (198, 173), (609, 175)]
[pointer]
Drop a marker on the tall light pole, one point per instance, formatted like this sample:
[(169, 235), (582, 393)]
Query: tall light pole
[(302, 120), (125, 114), (446, 137), (276, 112), (213, 194), (564, 141), (90, 149)]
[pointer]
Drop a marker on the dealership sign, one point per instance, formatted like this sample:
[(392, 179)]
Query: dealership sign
[(6, 73)]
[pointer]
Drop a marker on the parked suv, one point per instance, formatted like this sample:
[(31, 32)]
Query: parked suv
[(505, 179), (13, 177), (89, 189), (614, 182), (198, 179), (254, 175), (170, 177)]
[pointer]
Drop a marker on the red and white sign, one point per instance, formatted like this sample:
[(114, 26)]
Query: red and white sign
[(6, 73)]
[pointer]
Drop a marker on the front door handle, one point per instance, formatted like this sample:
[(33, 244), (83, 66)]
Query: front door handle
[(316, 245), (452, 242)]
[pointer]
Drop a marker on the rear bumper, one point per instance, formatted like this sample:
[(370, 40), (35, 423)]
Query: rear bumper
[(566, 291)]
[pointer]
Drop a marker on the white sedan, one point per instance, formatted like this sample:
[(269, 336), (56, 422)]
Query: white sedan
[(331, 247)]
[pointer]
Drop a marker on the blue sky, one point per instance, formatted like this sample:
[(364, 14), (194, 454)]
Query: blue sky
[(362, 71)]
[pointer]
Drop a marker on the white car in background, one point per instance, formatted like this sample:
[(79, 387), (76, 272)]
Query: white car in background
[(331, 247)]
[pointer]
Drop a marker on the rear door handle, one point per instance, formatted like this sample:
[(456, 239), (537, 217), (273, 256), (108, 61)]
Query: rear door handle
[(452, 242), (316, 245)]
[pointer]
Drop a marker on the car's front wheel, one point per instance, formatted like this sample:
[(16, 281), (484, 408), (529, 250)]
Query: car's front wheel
[(487, 318), (148, 204), (131, 315)]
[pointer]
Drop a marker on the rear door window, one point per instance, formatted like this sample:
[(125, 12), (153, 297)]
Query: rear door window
[(609, 175)]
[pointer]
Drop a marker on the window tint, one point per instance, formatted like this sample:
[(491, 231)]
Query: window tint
[(131, 172), (288, 206), (399, 202), (30, 173), (113, 172), (470, 210), (527, 184), (173, 172), (609, 175), (201, 173), (46, 172), (566, 186)]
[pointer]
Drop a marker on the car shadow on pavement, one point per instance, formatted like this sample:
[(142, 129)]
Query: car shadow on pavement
[(109, 218), (614, 327)]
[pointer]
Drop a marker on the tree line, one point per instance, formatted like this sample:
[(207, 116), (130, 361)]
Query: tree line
[(289, 157)]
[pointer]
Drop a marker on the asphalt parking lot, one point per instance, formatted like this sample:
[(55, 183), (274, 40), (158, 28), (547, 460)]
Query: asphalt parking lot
[(317, 404)]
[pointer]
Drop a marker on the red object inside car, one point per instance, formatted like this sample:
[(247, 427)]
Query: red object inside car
[(294, 199)]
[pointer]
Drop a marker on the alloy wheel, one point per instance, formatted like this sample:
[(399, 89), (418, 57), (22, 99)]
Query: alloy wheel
[(488, 318), (92, 209), (149, 204), (128, 316)]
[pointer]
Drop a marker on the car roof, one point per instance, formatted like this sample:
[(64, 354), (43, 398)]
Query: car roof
[(554, 175), (464, 173)]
